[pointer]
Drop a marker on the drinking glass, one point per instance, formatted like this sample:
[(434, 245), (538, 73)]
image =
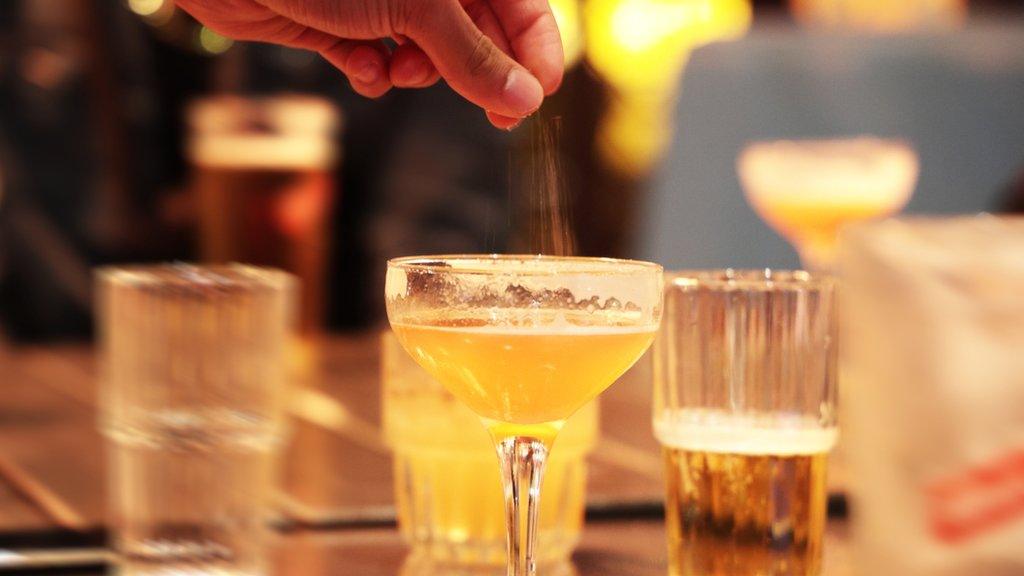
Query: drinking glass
[(745, 410), (808, 190), (524, 342), (262, 176), (193, 362), (880, 15), (447, 488)]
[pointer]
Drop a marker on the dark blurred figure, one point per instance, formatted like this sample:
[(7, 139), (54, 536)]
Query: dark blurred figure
[(84, 154), (91, 157), (1013, 198)]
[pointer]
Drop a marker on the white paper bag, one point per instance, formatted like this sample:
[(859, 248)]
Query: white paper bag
[(933, 395)]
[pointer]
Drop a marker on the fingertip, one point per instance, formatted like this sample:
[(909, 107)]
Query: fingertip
[(364, 64), (552, 82), (411, 68), (551, 73), (370, 90), (522, 94), (503, 122)]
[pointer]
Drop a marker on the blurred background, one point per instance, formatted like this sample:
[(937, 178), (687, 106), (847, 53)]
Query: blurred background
[(96, 164), (130, 133)]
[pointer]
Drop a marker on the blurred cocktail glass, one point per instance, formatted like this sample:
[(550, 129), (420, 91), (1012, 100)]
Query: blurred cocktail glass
[(447, 487), (524, 342), (808, 190), (192, 409), (880, 15), (745, 409)]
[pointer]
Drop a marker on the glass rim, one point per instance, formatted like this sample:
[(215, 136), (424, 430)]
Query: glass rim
[(186, 275), (587, 264), (749, 279)]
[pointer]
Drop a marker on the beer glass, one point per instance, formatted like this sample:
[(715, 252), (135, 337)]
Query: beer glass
[(262, 179), (447, 488), (191, 408), (745, 410)]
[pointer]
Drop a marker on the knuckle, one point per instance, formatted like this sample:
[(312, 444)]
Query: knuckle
[(409, 16), (480, 60), (476, 10)]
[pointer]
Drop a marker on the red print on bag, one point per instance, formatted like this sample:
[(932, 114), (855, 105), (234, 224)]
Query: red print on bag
[(977, 500)]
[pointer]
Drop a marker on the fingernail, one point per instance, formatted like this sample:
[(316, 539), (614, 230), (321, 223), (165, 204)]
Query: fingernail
[(368, 74), (522, 93)]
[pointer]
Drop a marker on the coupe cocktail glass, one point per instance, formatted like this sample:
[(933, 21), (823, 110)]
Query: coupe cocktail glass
[(807, 190), (523, 341)]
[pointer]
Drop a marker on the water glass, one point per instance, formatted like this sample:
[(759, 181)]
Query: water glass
[(193, 362)]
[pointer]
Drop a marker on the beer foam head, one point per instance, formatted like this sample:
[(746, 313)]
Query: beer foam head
[(283, 132), (721, 432), (848, 171)]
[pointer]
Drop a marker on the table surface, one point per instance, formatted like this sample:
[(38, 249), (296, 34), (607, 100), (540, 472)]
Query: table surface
[(336, 506)]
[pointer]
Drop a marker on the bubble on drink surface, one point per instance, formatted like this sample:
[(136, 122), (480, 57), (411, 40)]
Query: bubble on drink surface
[(453, 300)]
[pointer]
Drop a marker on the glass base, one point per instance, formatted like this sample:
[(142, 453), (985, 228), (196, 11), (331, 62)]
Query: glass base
[(423, 563), (552, 551)]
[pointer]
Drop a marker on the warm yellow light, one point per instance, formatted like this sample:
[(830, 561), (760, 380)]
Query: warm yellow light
[(634, 133), (145, 7), (155, 12), (212, 42), (640, 47), (725, 20), (880, 15), (570, 25), (642, 44)]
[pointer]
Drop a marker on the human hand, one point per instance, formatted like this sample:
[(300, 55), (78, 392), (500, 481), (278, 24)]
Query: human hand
[(503, 55)]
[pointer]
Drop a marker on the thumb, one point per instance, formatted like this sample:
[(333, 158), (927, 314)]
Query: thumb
[(471, 63)]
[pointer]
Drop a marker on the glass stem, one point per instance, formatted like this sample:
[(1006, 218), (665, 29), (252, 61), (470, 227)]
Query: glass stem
[(522, 469)]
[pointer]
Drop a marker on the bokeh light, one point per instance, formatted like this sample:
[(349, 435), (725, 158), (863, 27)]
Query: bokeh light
[(155, 12), (641, 47), (146, 7), (642, 44), (570, 24), (212, 42)]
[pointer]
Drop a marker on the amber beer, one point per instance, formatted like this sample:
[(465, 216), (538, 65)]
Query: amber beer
[(742, 498), (262, 179), (745, 411)]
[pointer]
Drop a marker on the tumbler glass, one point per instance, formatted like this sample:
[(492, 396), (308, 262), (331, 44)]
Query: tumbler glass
[(745, 409), (192, 410), (447, 488)]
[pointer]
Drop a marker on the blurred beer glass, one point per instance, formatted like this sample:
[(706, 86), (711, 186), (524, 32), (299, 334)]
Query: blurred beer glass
[(447, 487), (807, 190), (262, 178), (192, 412), (744, 407)]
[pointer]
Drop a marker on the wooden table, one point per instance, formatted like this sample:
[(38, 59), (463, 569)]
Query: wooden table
[(336, 505)]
